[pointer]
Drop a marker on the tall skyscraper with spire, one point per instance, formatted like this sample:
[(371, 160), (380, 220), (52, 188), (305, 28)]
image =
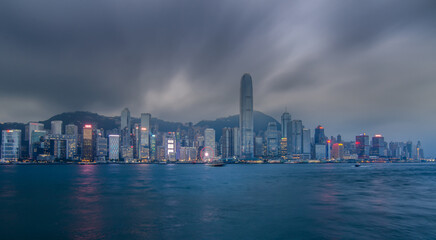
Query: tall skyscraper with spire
[(246, 124)]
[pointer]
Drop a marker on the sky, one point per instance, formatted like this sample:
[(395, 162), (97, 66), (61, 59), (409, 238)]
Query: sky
[(350, 66)]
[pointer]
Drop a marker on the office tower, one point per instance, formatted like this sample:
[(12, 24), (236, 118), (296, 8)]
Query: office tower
[(30, 128), (320, 151), (11, 145), (226, 143), (259, 150), (319, 135), (283, 147), (272, 140), (170, 146), (306, 143), (408, 150), (37, 138), (71, 129), (144, 148), (58, 148), (236, 142), (209, 141), (339, 138), (287, 130), (419, 151), (56, 127), (188, 154), (362, 146), (114, 147), (296, 136), (246, 124), (87, 143), (101, 149), (338, 151), (378, 146), (125, 119), (153, 147)]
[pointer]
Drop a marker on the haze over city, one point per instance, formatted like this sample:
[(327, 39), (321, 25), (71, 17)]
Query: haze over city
[(352, 67)]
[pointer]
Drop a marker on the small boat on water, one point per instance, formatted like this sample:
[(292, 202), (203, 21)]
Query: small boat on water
[(215, 164), (357, 165)]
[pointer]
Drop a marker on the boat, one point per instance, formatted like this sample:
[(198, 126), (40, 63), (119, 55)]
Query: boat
[(357, 165), (215, 164)]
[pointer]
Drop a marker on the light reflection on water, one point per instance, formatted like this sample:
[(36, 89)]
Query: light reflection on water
[(330, 201)]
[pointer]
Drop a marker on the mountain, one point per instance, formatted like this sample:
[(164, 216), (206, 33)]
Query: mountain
[(81, 118)]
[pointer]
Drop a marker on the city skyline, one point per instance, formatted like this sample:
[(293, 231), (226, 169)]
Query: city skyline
[(352, 67)]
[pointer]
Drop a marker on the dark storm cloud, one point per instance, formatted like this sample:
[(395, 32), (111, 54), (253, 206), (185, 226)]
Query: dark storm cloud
[(350, 65)]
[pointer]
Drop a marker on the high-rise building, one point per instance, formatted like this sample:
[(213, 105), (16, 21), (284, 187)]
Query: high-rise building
[(101, 149), (362, 146), (30, 128), (125, 119), (209, 140), (11, 145), (236, 141), (297, 137), (272, 140), (144, 148), (37, 138), (226, 142), (259, 150), (319, 135), (114, 147), (306, 143), (378, 146), (71, 129), (88, 143), (170, 146), (246, 124), (287, 130), (338, 151), (56, 127)]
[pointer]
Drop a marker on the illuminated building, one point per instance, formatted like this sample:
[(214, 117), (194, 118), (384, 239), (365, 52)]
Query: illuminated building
[(378, 146), (153, 146), (114, 147), (125, 119), (272, 140), (56, 127), (283, 147), (32, 126), (188, 154), (209, 140), (419, 151), (338, 151), (170, 146), (362, 146), (11, 145), (87, 143), (287, 131), (246, 124), (319, 135), (144, 149)]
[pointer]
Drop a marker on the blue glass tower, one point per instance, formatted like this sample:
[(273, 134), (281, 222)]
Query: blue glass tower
[(246, 124)]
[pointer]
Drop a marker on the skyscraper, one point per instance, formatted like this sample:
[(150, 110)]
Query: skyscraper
[(362, 146), (144, 148), (11, 145), (87, 144), (272, 140), (246, 124), (29, 130), (125, 119), (114, 147), (56, 127), (209, 140), (378, 146), (319, 135), (297, 137), (287, 131)]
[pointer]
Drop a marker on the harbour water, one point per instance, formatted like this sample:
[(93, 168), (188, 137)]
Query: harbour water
[(257, 201)]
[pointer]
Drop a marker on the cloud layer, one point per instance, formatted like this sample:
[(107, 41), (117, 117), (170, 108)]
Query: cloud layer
[(352, 66)]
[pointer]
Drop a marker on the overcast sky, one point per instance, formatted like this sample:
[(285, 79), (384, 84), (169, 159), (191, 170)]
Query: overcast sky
[(351, 66)]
